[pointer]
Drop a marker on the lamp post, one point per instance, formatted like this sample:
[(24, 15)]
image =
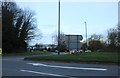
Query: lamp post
[(59, 27), (86, 34)]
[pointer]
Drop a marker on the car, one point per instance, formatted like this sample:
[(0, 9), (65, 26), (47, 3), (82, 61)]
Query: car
[(44, 50), (72, 51), (56, 51), (88, 51), (80, 51)]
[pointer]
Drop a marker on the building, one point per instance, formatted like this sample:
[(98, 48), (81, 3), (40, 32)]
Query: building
[(73, 42)]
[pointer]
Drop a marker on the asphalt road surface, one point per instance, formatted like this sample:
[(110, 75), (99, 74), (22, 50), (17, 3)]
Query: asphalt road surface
[(16, 66)]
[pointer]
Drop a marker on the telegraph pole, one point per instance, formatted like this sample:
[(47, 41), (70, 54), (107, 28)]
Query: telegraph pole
[(86, 35), (59, 27)]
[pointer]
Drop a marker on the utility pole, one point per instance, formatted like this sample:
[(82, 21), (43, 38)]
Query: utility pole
[(86, 35), (59, 27)]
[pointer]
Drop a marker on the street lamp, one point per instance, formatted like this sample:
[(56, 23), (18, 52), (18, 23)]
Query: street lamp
[(86, 33), (59, 27)]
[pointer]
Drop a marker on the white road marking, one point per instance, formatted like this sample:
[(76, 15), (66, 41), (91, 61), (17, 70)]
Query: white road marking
[(65, 67), (19, 58), (44, 73)]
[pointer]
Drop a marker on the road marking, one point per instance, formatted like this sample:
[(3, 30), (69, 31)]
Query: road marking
[(19, 58), (45, 73), (65, 67)]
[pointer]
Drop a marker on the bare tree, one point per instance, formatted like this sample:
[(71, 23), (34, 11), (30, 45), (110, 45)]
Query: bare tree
[(18, 27), (62, 45)]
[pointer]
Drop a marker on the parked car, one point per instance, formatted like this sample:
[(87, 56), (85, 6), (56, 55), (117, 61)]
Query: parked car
[(56, 51), (73, 51), (80, 50), (44, 50), (88, 51)]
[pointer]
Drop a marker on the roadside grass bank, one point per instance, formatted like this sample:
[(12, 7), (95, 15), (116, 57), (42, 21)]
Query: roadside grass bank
[(92, 57)]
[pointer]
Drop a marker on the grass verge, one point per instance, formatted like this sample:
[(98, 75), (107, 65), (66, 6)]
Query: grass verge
[(0, 51), (93, 57), (26, 53)]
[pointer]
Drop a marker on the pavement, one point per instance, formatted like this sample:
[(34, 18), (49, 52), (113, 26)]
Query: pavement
[(14, 66)]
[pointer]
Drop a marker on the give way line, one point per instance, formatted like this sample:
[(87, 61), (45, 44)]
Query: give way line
[(48, 74), (66, 67)]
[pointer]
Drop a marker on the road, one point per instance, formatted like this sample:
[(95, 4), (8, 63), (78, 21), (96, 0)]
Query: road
[(16, 66)]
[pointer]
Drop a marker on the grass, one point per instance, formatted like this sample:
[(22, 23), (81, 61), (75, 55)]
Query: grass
[(27, 53), (0, 51), (100, 57)]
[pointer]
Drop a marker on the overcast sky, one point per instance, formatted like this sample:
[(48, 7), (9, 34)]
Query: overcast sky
[(100, 16)]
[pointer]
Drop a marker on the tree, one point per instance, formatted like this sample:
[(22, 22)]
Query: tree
[(26, 31), (112, 39), (118, 37), (18, 27), (95, 37), (62, 46), (95, 45), (9, 11), (95, 42), (84, 45)]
